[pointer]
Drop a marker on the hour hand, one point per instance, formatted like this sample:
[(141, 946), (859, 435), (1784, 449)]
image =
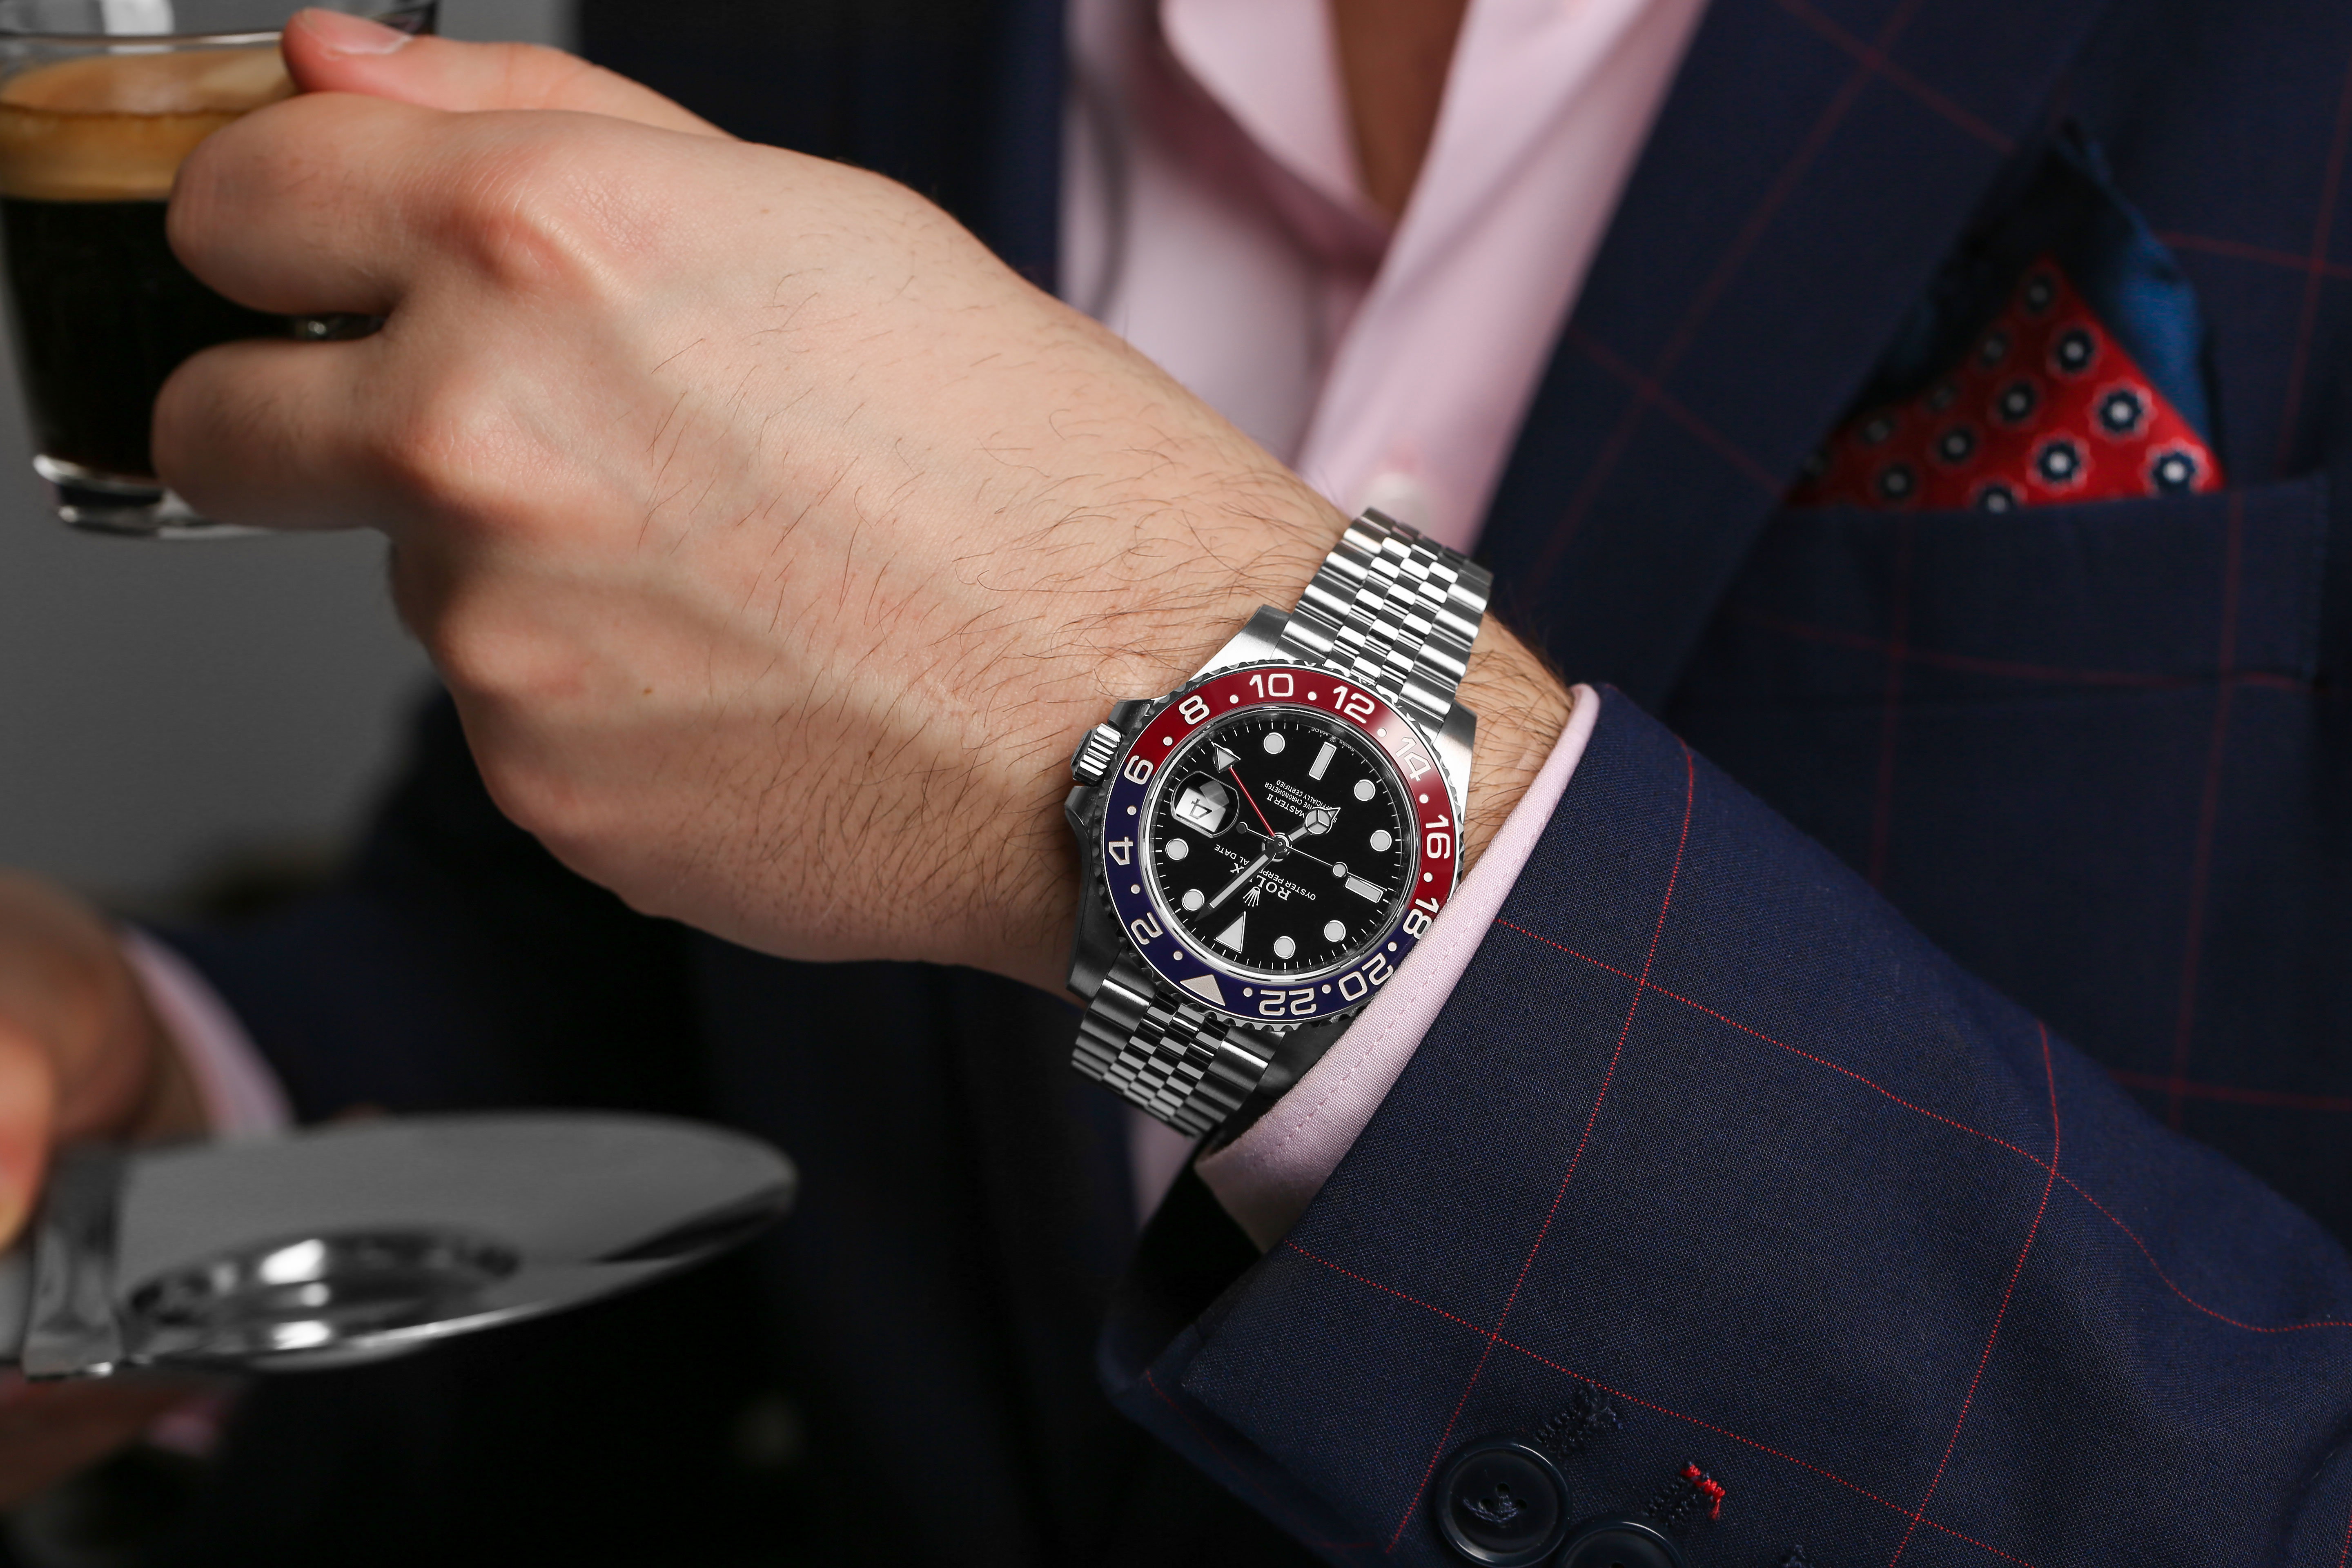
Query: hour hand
[(1319, 820)]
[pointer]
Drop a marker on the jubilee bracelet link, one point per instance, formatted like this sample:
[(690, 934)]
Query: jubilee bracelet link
[(1186, 1065), (1393, 613), (1396, 611)]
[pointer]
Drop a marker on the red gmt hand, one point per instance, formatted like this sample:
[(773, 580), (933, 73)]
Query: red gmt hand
[(1236, 772)]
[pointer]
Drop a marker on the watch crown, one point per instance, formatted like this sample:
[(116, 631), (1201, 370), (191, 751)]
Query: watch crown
[(1091, 765)]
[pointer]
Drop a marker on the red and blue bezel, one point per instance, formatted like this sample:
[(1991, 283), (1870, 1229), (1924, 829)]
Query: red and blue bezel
[(1163, 945)]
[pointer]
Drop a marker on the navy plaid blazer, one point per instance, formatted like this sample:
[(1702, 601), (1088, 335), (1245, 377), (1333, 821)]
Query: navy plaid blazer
[(1919, 1096)]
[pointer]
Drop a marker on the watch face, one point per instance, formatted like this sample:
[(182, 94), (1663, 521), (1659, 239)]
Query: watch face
[(1276, 840)]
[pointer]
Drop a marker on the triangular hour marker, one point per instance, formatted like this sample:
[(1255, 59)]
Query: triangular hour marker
[(1231, 935), (1222, 757), (1206, 985)]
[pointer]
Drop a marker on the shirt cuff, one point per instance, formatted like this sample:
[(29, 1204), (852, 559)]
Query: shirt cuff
[(242, 1097), (1267, 1176)]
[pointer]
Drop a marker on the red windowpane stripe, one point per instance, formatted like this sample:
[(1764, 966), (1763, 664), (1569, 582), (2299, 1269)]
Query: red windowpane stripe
[(2277, 1100)]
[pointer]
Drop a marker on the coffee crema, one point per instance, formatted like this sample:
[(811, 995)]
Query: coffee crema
[(113, 128)]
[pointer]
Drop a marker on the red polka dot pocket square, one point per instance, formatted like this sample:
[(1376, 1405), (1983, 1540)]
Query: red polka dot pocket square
[(2059, 358)]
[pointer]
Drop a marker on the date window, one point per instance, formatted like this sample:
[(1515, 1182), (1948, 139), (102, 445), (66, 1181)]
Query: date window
[(1206, 806)]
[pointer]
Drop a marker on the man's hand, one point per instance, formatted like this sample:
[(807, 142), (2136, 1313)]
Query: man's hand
[(81, 1053), (81, 1056), (777, 543)]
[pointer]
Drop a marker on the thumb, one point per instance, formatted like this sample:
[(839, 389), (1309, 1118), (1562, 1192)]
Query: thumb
[(330, 51), (29, 1094)]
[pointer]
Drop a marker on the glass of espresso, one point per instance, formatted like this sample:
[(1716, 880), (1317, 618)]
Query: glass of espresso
[(100, 102)]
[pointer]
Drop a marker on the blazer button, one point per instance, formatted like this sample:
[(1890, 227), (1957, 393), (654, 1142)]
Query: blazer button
[(1618, 1543), (1501, 1504)]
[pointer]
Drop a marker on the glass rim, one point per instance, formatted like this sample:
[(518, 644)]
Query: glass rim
[(132, 43)]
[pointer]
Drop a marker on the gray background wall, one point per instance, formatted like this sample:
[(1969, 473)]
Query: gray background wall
[(171, 711)]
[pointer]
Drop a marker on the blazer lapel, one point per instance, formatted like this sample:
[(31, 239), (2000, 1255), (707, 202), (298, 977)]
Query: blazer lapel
[(1810, 168)]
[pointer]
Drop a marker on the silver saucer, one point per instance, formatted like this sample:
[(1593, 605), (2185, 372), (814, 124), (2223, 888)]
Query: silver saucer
[(364, 1240)]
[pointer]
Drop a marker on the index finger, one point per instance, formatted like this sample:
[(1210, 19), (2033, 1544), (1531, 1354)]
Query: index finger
[(336, 202)]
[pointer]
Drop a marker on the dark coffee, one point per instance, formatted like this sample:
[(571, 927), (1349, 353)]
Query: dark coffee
[(102, 311)]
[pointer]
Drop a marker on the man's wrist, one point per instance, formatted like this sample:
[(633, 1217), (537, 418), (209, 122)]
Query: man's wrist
[(1522, 707), (1195, 577)]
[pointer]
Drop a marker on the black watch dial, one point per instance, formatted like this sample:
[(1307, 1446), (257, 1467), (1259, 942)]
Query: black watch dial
[(1279, 842)]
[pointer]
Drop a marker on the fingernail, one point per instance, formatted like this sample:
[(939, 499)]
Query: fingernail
[(344, 34)]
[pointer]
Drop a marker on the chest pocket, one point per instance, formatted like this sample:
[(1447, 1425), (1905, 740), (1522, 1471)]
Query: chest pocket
[(2081, 748)]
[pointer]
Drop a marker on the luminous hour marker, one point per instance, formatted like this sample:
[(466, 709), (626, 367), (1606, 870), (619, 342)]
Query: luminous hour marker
[(1177, 848), (1381, 840), (1194, 898), (1284, 947), (1231, 935), (1274, 744), (1322, 759), (1364, 789), (1364, 889), (1333, 931)]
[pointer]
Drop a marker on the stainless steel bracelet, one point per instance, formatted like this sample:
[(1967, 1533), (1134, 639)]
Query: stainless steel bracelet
[(1395, 612), (1392, 611), (1184, 1063)]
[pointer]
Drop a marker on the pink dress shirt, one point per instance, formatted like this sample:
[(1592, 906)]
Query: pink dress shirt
[(1213, 215), (241, 1097)]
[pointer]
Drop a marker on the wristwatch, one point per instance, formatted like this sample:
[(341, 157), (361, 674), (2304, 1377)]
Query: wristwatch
[(1262, 847)]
